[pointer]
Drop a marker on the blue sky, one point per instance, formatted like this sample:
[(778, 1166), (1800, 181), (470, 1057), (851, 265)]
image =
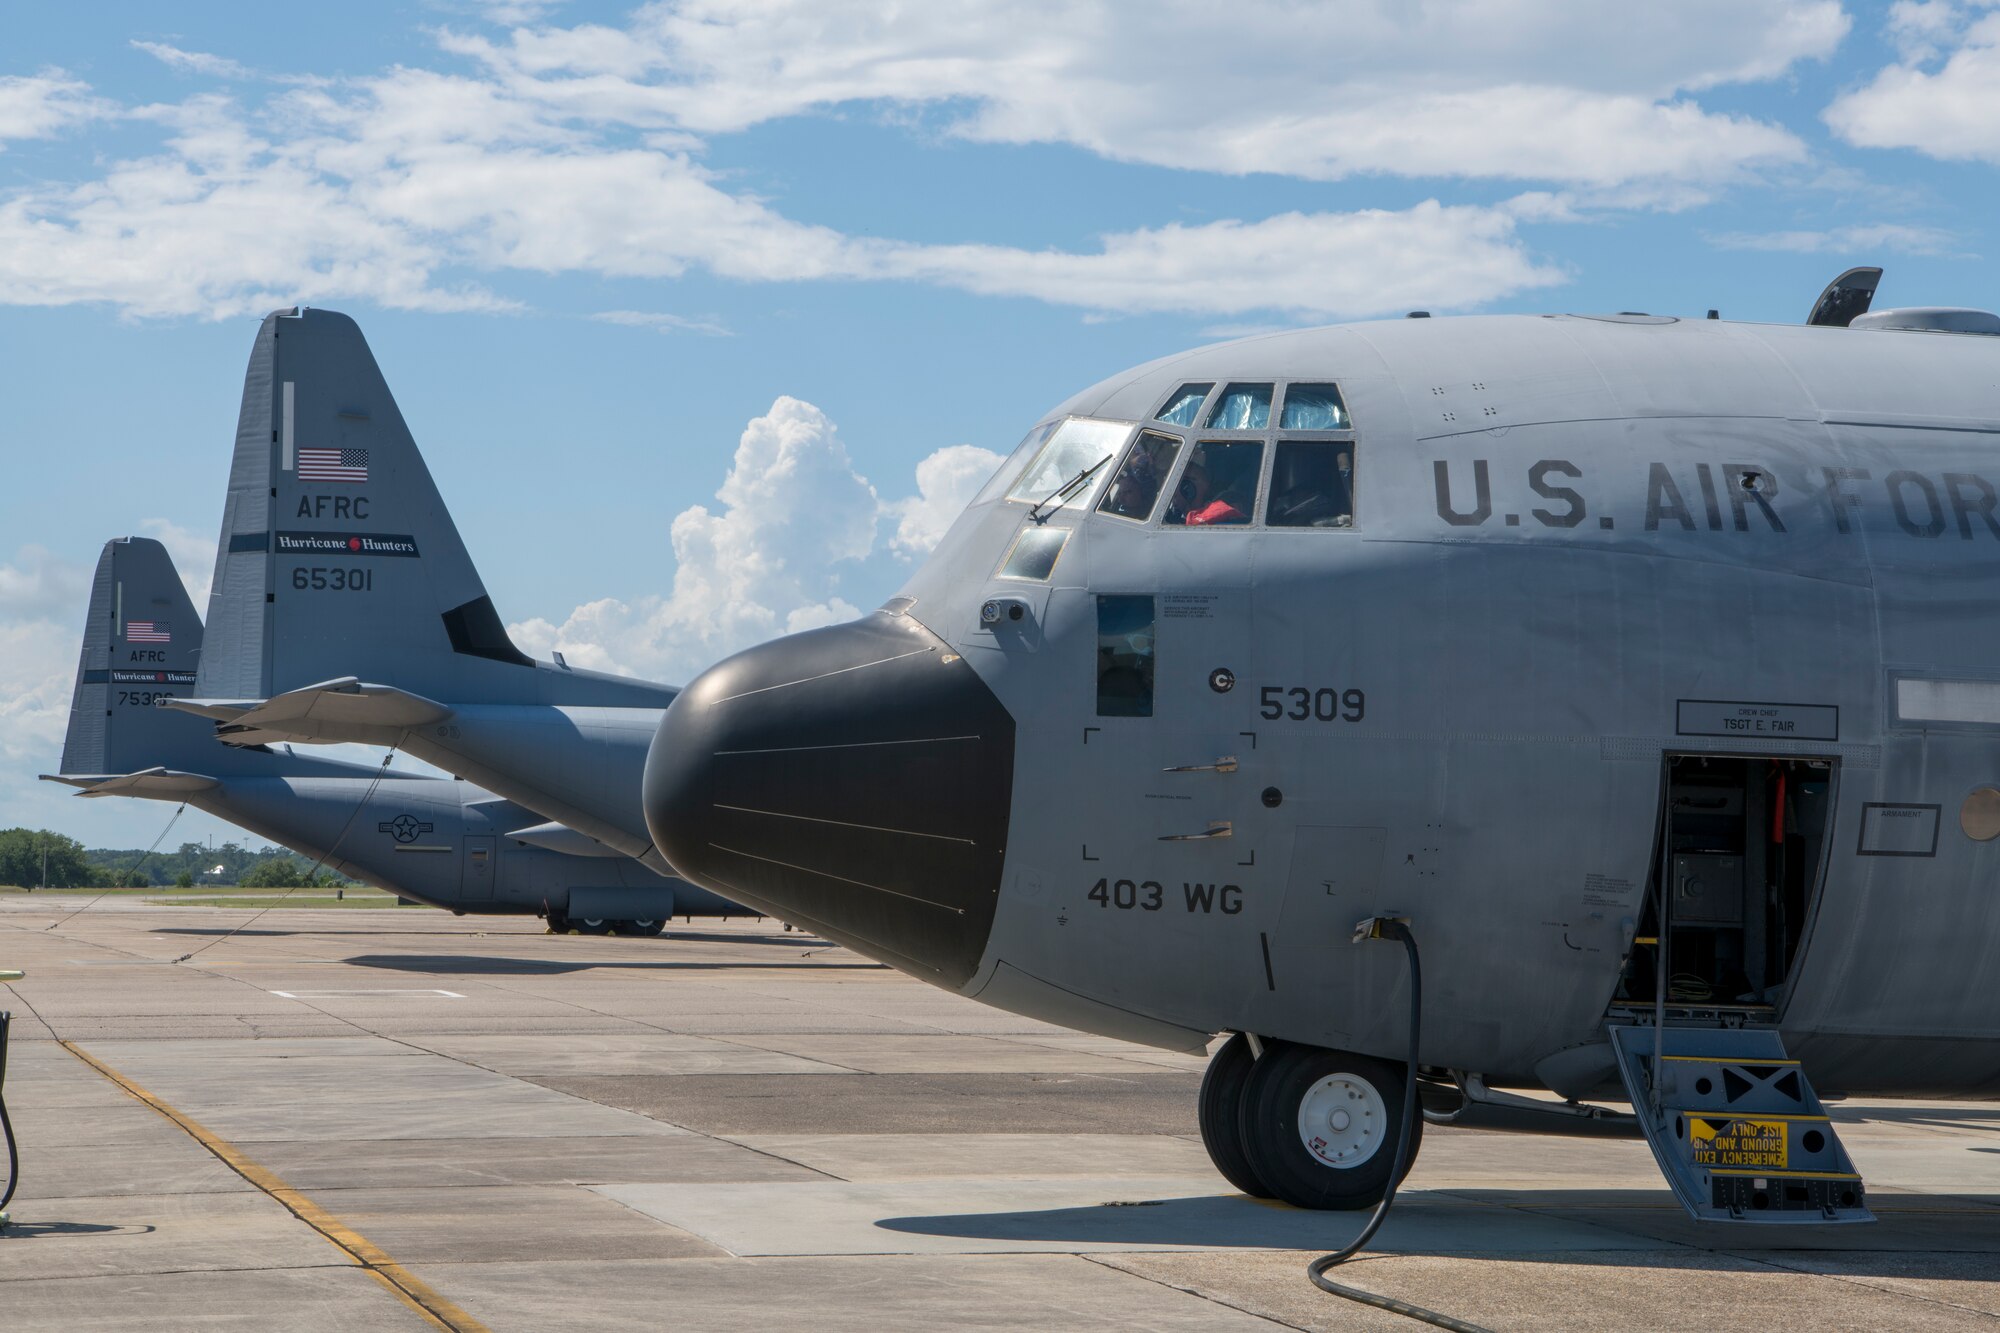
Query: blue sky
[(705, 313)]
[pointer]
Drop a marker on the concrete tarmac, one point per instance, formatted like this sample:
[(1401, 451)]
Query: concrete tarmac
[(402, 1119)]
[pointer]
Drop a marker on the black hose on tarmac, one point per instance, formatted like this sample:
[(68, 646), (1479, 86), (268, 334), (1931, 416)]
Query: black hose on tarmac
[(1389, 928), (6, 1125)]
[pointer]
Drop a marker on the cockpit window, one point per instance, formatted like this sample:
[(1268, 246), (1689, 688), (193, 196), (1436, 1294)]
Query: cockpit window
[(1034, 554), (1185, 405), (1241, 407), (1124, 656), (1312, 484), (1313, 407), (1218, 488), (1137, 484), (1010, 469), (1078, 445)]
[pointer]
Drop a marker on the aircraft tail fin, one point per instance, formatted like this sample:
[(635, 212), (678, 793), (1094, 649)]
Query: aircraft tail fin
[(337, 554), (141, 641)]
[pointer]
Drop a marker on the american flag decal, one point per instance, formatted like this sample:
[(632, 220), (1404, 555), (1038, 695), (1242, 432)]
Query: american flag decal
[(333, 464), (148, 631)]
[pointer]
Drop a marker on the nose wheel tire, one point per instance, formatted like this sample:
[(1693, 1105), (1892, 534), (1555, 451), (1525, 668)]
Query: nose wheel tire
[(1220, 1111), (1319, 1126)]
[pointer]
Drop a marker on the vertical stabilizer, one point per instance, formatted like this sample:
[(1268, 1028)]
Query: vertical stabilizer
[(338, 556), (141, 640)]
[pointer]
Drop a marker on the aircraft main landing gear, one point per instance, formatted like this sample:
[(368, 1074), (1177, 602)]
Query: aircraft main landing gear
[(1313, 1127)]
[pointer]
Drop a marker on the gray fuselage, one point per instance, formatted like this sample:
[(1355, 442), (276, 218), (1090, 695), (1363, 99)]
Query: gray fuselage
[(1578, 546)]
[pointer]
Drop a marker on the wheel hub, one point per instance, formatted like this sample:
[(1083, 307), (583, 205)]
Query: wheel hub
[(1343, 1120)]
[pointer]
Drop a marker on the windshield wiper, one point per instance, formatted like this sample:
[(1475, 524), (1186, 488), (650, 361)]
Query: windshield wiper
[(1068, 488)]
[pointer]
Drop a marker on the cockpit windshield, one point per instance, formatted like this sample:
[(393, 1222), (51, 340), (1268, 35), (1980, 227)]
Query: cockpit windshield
[(1030, 444), (1077, 445)]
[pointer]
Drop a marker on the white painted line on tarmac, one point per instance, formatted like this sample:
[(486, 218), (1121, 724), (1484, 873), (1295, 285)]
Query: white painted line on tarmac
[(329, 994)]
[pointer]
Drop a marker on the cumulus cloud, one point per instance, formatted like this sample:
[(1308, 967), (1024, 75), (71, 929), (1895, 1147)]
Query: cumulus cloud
[(793, 525), (793, 516), (42, 602), (39, 105), (946, 483), (1943, 109)]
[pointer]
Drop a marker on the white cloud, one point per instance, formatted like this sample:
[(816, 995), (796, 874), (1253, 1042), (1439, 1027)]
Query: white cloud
[(193, 62), (42, 602), (946, 483), (794, 513), (1945, 112), (506, 12), (1919, 29), (661, 322), (37, 667), (576, 149), (39, 105), (38, 584), (379, 191), (795, 521), (1562, 90), (1358, 263), (1862, 240)]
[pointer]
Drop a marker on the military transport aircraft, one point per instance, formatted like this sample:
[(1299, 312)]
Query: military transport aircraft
[(346, 607), (436, 840), (1648, 667)]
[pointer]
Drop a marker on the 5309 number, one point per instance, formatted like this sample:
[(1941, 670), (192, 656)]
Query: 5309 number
[(1300, 703)]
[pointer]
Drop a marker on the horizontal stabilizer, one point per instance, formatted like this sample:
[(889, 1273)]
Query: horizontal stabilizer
[(562, 838), (334, 710), (155, 782)]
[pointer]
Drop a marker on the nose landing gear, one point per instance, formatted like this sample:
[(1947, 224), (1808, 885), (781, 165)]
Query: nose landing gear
[(1221, 1114), (1313, 1127)]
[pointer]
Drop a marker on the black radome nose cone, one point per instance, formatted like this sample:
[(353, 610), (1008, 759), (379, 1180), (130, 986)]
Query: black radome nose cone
[(853, 780)]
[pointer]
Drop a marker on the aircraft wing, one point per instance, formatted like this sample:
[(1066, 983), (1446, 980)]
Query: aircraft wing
[(336, 710), (146, 782)]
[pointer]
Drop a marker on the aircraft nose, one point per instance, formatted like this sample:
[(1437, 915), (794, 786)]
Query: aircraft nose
[(853, 780)]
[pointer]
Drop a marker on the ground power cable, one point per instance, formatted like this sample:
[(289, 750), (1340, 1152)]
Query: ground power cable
[(312, 874), (179, 810), (1390, 928), (7, 1125)]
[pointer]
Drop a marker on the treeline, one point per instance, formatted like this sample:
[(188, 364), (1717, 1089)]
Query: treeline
[(34, 858)]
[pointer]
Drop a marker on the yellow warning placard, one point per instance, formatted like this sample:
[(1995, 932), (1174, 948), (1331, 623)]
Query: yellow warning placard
[(1738, 1143)]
